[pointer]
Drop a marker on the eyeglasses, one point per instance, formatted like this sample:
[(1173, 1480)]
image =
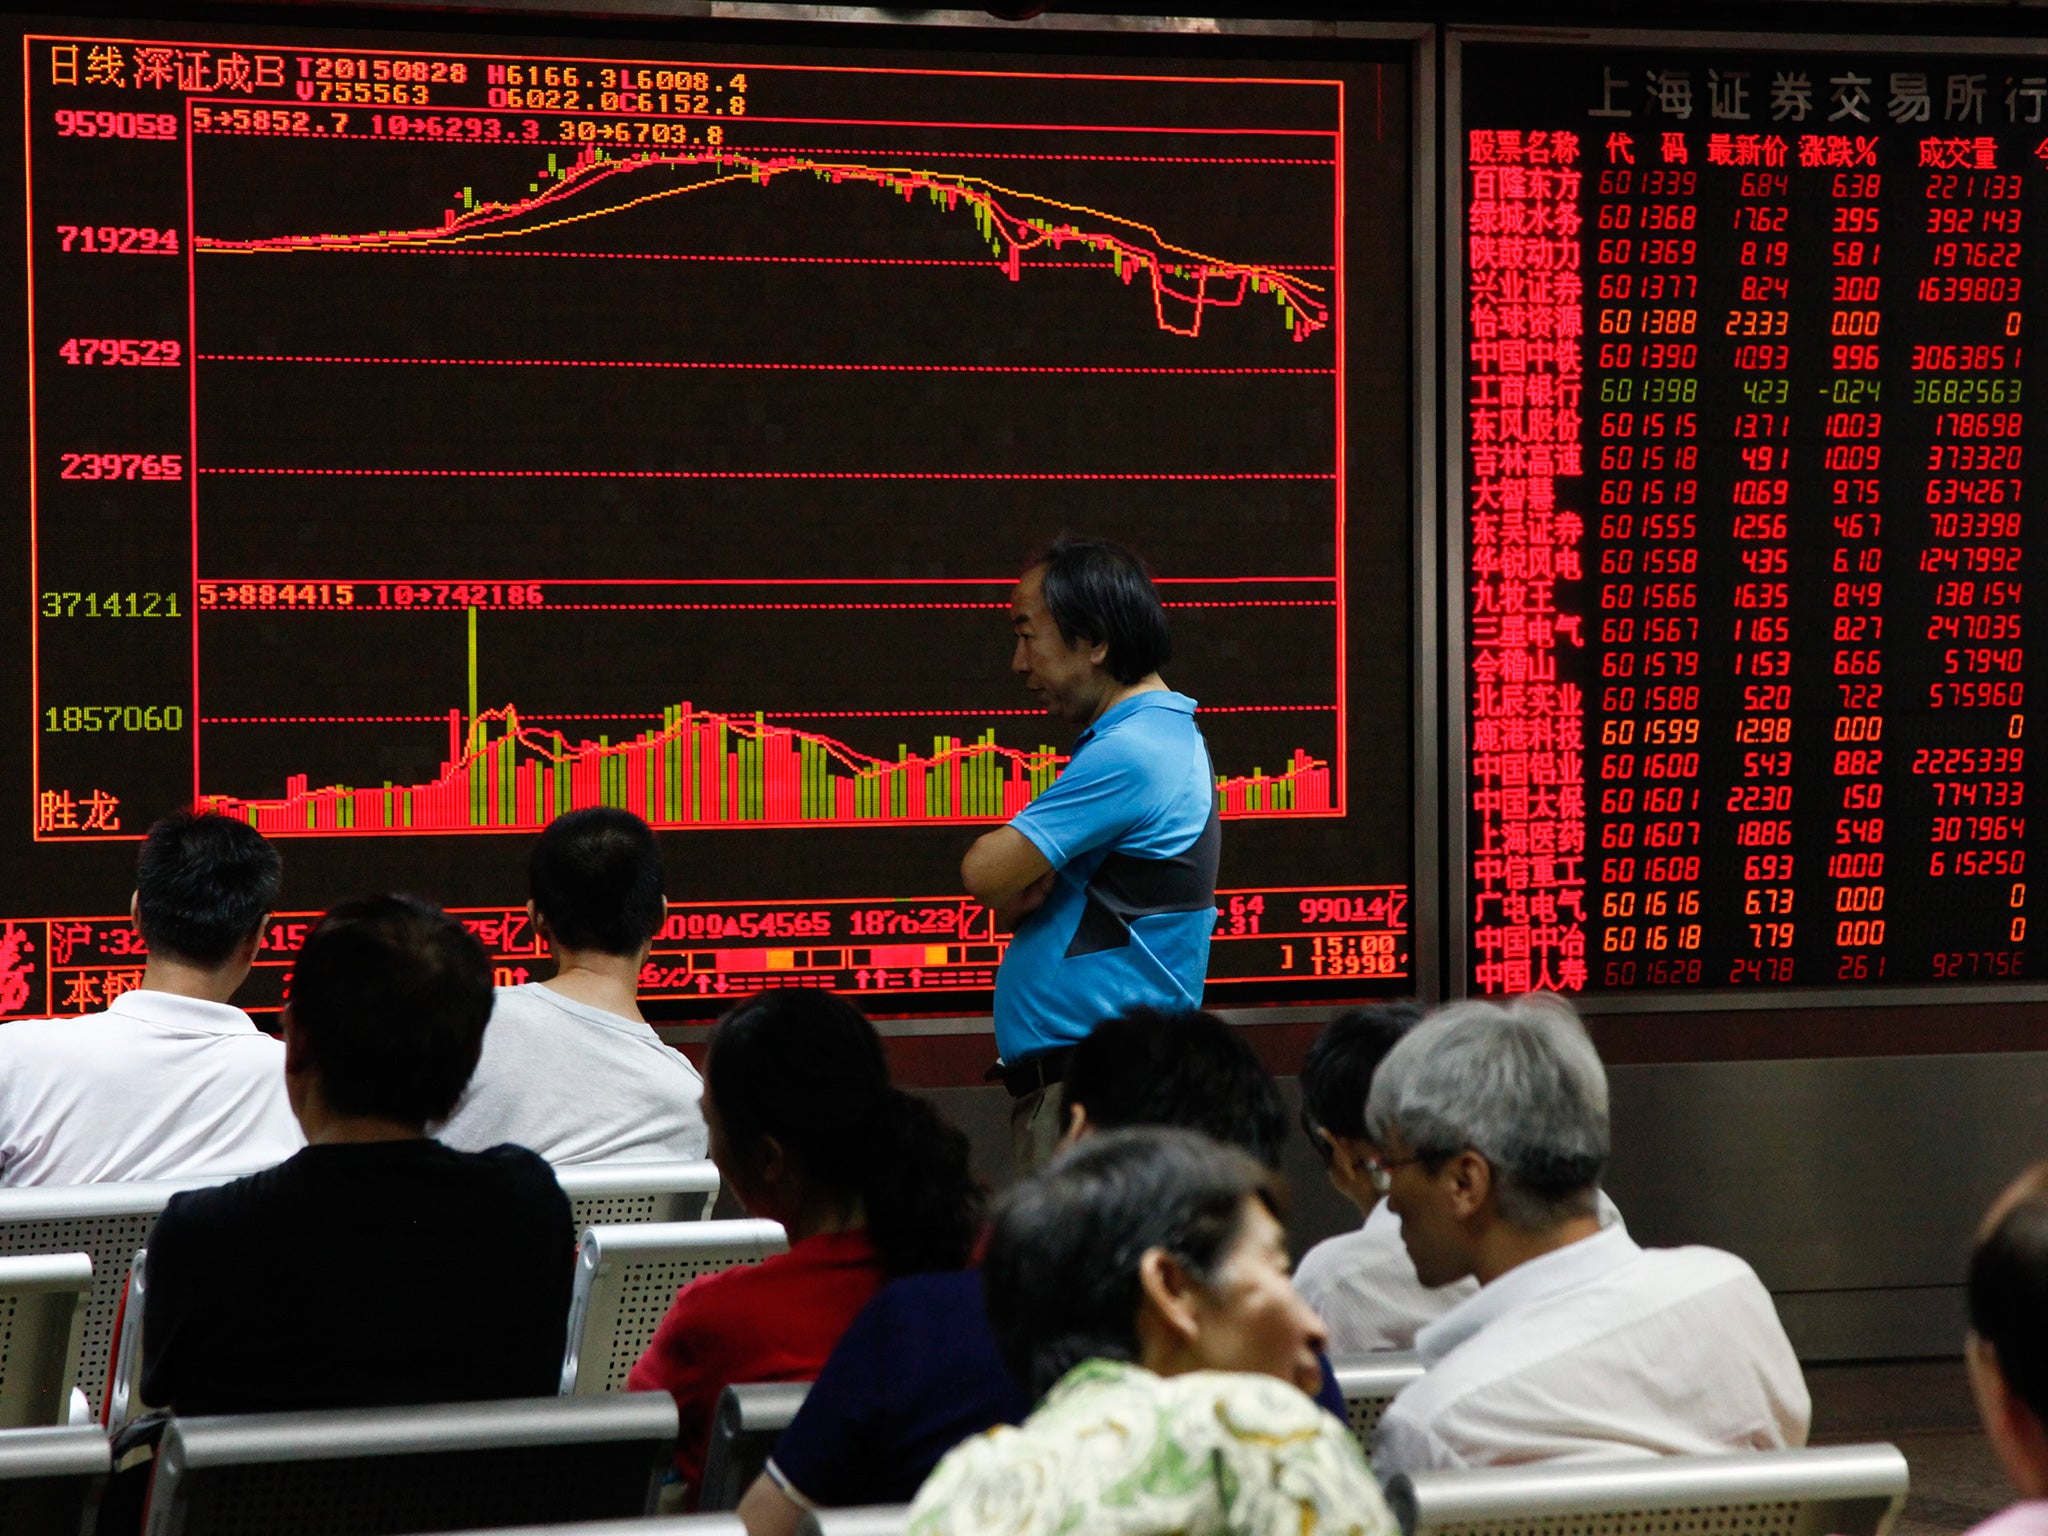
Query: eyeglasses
[(1381, 1170)]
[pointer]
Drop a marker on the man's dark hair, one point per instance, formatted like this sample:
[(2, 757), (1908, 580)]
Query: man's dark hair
[(2008, 1288), (1061, 1272), (596, 878), (1185, 1068), (1336, 1074), (390, 997), (202, 883), (1102, 593)]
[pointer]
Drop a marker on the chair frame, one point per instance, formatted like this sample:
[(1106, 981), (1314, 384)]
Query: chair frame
[(745, 1412), (681, 1191), (52, 1331), (96, 1202), (1819, 1481), (1368, 1383), (192, 1447), (605, 1251)]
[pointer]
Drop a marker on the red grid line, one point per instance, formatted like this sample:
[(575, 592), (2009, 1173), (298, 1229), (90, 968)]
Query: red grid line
[(783, 474), (581, 362)]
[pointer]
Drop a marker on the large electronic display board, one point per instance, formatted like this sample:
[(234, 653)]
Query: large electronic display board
[(424, 434), (1741, 432)]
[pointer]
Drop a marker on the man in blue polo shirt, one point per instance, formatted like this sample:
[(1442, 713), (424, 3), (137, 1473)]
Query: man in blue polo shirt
[(1108, 879)]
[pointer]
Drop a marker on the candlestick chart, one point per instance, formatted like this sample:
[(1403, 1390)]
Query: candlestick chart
[(475, 436)]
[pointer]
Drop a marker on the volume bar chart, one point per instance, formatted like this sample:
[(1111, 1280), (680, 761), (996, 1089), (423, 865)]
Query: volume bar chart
[(701, 769)]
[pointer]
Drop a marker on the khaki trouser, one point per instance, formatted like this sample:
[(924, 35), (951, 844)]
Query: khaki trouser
[(1035, 1129)]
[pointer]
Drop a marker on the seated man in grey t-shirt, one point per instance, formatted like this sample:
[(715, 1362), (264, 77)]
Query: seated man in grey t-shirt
[(570, 1068)]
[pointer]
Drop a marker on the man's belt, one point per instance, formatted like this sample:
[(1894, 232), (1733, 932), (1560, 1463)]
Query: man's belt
[(1039, 1070)]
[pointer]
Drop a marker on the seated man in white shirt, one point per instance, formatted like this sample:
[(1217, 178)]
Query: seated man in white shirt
[(1492, 1123), (570, 1068), (170, 1081), (1361, 1283)]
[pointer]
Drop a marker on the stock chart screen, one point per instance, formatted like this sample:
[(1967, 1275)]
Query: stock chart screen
[(424, 435), (1743, 438)]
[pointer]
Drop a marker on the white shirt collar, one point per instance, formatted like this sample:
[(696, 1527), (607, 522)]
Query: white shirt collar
[(1565, 1269), (182, 1015)]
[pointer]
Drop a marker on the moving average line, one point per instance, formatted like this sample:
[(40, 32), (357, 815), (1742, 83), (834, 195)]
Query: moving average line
[(1010, 235)]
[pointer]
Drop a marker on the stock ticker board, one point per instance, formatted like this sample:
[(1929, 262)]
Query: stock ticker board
[(1746, 546), (428, 434)]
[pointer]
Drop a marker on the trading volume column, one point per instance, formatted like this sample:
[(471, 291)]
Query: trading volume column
[(110, 418)]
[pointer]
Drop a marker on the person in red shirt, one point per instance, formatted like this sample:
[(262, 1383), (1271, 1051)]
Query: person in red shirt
[(870, 1184)]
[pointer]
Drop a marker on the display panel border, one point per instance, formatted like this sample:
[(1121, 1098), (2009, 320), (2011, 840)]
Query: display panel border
[(1456, 701), (1426, 870)]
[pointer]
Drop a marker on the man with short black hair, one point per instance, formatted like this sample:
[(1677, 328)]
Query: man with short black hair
[(1490, 1120), (570, 1066), (1108, 878), (171, 1081), (376, 1266)]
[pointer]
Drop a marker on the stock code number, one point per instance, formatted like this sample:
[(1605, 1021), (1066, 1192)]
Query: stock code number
[(111, 605), (114, 717), (123, 466), (121, 352), (115, 125), (117, 240)]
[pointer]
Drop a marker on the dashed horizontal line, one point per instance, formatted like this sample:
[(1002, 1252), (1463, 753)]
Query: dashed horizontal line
[(785, 474), (573, 362)]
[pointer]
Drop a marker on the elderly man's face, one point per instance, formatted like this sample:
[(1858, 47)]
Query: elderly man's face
[(1432, 1208)]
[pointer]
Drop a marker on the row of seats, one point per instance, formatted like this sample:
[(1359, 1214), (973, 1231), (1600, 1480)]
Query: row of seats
[(66, 1253), (450, 1467)]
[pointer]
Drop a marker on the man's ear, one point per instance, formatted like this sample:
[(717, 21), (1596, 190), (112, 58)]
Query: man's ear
[(253, 945), (540, 926), (1168, 1291), (135, 908), (1470, 1181)]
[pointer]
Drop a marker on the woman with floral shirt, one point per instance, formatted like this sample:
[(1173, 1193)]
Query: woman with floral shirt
[(1140, 1286)]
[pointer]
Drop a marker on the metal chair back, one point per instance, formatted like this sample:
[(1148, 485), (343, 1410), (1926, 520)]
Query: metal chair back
[(626, 1276), (107, 1223), (42, 1321), (1843, 1490), (386, 1471), (870, 1520), (1368, 1383), (49, 1478), (743, 1433), (613, 1194)]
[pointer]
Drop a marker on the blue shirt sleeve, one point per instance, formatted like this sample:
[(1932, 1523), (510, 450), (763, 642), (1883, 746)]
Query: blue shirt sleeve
[(1102, 795)]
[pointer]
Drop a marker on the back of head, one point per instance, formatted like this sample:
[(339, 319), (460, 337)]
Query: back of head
[(389, 998), (1186, 1068), (203, 882), (806, 1068), (2008, 1288), (596, 879), (1102, 593), (1517, 1082), (1061, 1271), (1337, 1072)]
